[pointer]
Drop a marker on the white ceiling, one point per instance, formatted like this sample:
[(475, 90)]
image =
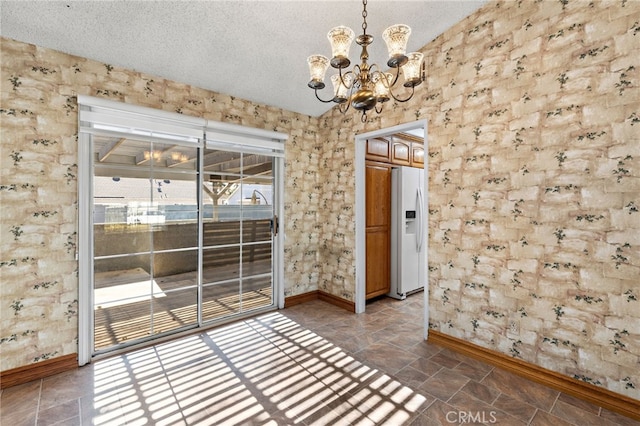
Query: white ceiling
[(255, 50)]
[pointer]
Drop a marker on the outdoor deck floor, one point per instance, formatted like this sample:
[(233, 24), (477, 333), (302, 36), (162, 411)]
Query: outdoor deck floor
[(124, 310)]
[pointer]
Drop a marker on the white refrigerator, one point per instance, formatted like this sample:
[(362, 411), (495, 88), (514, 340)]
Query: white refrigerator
[(408, 232)]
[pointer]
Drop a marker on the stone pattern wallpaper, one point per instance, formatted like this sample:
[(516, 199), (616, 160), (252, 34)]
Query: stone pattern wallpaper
[(534, 186), (38, 188), (533, 110)]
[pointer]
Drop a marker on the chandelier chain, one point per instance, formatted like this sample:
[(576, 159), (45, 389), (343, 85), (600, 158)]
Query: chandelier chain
[(364, 16)]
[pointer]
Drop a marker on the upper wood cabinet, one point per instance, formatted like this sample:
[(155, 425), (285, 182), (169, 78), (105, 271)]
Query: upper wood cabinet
[(400, 152), (378, 149), (401, 149), (417, 155)]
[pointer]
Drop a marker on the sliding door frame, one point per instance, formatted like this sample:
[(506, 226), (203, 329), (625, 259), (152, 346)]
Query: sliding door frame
[(99, 116)]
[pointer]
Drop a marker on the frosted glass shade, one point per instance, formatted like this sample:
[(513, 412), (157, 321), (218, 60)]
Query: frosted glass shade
[(341, 92), (340, 39), (412, 69), (318, 65), (381, 85), (396, 38)]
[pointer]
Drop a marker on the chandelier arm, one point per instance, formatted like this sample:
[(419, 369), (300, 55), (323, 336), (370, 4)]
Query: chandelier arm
[(383, 75), (348, 103), (356, 74), (413, 89), (346, 74), (395, 79), (345, 109), (322, 100)]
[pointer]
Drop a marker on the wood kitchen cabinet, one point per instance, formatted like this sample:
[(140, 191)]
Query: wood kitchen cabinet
[(400, 152), (378, 229), (378, 149), (417, 155)]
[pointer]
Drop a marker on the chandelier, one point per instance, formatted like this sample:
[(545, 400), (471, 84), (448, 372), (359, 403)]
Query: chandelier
[(366, 87)]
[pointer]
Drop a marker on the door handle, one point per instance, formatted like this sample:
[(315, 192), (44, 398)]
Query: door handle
[(418, 219), (421, 226), (275, 224)]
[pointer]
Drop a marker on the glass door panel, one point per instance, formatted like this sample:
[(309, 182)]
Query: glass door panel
[(220, 300), (145, 239), (174, 309), (256, 259), (220, 264), (257, 292), (238, 231)]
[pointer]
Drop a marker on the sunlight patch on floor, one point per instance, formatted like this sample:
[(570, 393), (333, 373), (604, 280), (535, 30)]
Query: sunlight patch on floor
[(244, 372)]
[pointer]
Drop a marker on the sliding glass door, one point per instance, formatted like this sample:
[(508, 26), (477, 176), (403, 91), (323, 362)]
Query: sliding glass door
[(183, 236), (178, 223)]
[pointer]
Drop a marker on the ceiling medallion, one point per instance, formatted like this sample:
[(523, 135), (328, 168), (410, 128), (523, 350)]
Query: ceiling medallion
[(366, 87)]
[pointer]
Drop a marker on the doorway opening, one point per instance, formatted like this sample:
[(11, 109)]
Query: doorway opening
[(417, 129)]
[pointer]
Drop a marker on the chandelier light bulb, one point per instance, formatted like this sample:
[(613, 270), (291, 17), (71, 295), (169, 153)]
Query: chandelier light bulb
[(340, 39), (318, 65), (396, 38), (382, 81), (412, 69), (340, 91)]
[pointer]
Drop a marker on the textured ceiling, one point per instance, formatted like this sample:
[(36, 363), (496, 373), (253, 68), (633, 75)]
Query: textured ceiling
[(254, 50)]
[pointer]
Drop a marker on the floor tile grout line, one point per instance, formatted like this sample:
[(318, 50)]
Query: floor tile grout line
[(165, 375), (555, 401), (38, 404), (486, 375), (80, 409), (496, 398)]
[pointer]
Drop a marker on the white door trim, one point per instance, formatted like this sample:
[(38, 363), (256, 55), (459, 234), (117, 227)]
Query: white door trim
[(84, 249), (360, 254)]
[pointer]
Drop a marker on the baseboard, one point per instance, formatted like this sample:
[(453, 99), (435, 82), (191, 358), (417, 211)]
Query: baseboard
[(39, 370), (300, 298), (321, 295), (337, 301), (586, 391)]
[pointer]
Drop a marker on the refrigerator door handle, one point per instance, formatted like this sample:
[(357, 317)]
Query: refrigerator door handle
[(418, 219), (420, 233)]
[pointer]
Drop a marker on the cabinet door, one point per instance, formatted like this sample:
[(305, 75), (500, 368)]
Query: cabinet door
[(401, 152), (378, 230), (417, 155), (378, 149)]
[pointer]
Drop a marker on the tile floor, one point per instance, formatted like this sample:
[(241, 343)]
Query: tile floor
[(311, 364)]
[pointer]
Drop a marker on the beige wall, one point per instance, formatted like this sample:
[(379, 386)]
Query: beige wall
[(534, 186), (38, 297)]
